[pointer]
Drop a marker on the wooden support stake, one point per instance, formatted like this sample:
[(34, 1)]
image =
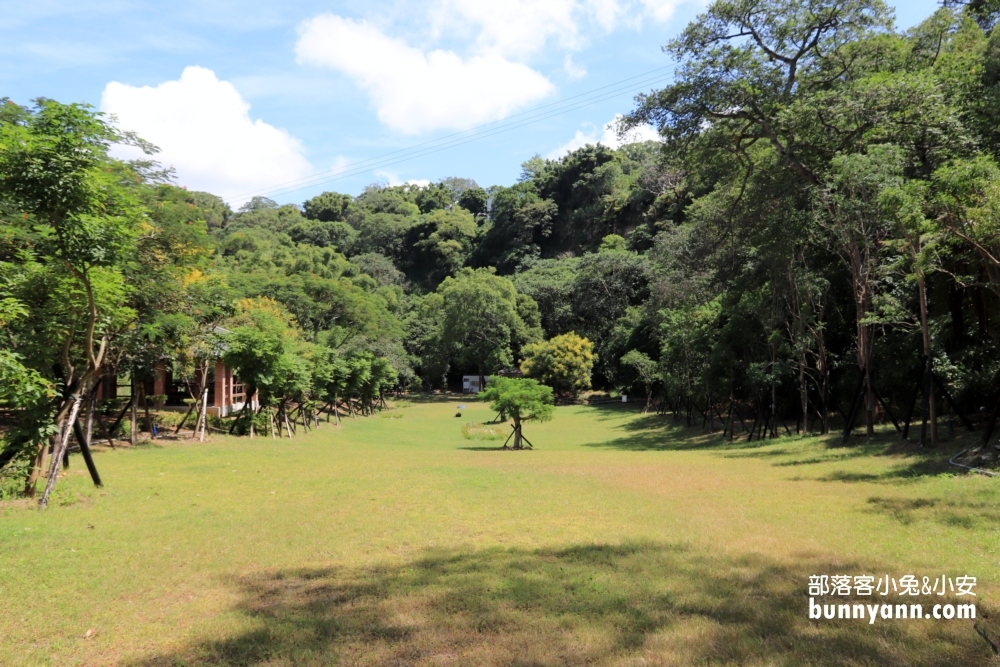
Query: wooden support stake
[(888, 411), (87, 456), (951, 401), (184, 419), (855, 404), (991, 424), (513, 430), (916, 393)]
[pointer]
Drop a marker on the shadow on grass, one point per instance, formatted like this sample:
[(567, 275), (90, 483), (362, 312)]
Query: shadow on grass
[(662, 433), (925, 464), (657, 433), (648, 604), (429, 398), (954, 512), (497, 448)]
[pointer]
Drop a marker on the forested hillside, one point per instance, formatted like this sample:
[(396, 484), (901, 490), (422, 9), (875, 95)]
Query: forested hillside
[(815, 240)]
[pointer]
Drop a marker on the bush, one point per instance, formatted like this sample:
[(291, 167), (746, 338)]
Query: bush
[(474, 431)]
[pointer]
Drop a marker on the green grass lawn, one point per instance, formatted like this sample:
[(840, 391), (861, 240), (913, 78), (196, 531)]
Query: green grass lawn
[(622, 539)]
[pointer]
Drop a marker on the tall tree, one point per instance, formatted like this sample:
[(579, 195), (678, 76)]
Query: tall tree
[(482, 325), (78, 206)]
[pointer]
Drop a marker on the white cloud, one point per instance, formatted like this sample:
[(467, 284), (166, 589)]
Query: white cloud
[(520, 28), (573, 71), (661, 10), (418, 88), (204, 129), (415, 91), (512, 28), (609, 137), (392, 179)]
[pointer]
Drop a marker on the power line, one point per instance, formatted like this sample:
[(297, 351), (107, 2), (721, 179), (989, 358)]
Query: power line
[(567, 102), (485, 130)]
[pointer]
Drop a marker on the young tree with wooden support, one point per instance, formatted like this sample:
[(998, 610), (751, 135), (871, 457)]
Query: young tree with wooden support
[(55, 170), (522, 400)]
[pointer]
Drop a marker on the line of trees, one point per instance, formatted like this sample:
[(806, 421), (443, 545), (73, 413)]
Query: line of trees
[(838, 182)]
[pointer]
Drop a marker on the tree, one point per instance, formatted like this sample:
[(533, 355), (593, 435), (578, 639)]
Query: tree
[(564, 362), (858, 225), (77, 206), (968, 202), (438, 245), (481, 324), (474, 200), (522, 399), (257, 350), (646, 371), (550, 283), (606, 285), (328, 207), (29, 393), (744, 64)]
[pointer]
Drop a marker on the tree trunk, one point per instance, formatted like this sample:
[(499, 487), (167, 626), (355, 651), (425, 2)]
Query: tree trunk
[(860, 265), (824, 395), (203, 421), (804, 395), (37, 465), (869, 402), (134, 416), (517, 433), (774, 410), (60, 449), (929, 401), (708, 409), (730, 430), (145, 408), (88, 430)]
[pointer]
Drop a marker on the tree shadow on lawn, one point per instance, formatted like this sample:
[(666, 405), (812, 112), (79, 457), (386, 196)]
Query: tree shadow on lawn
[(494, 448), (954, 512), (660, 433), (914, 462), (425, 398), (649, 604)]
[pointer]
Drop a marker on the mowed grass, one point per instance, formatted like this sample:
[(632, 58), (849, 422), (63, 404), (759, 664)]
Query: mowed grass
[(622, 539)]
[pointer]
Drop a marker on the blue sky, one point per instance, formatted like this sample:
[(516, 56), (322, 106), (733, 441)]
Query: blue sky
[(279, 99)]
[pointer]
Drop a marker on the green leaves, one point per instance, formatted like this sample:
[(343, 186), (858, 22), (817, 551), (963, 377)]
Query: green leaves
[(565, 362), (522, 399), (481, 323)]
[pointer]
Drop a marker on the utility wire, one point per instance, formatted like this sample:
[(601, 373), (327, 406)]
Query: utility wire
[(360, 168), (485, 130)]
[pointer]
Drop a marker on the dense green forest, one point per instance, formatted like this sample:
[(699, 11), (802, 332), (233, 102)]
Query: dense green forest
[(815, 240)]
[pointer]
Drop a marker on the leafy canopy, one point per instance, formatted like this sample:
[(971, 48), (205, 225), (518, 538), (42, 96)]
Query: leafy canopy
[(564, 362), (522, 399)]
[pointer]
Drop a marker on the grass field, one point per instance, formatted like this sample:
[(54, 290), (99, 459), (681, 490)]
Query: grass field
[(395, 540)]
